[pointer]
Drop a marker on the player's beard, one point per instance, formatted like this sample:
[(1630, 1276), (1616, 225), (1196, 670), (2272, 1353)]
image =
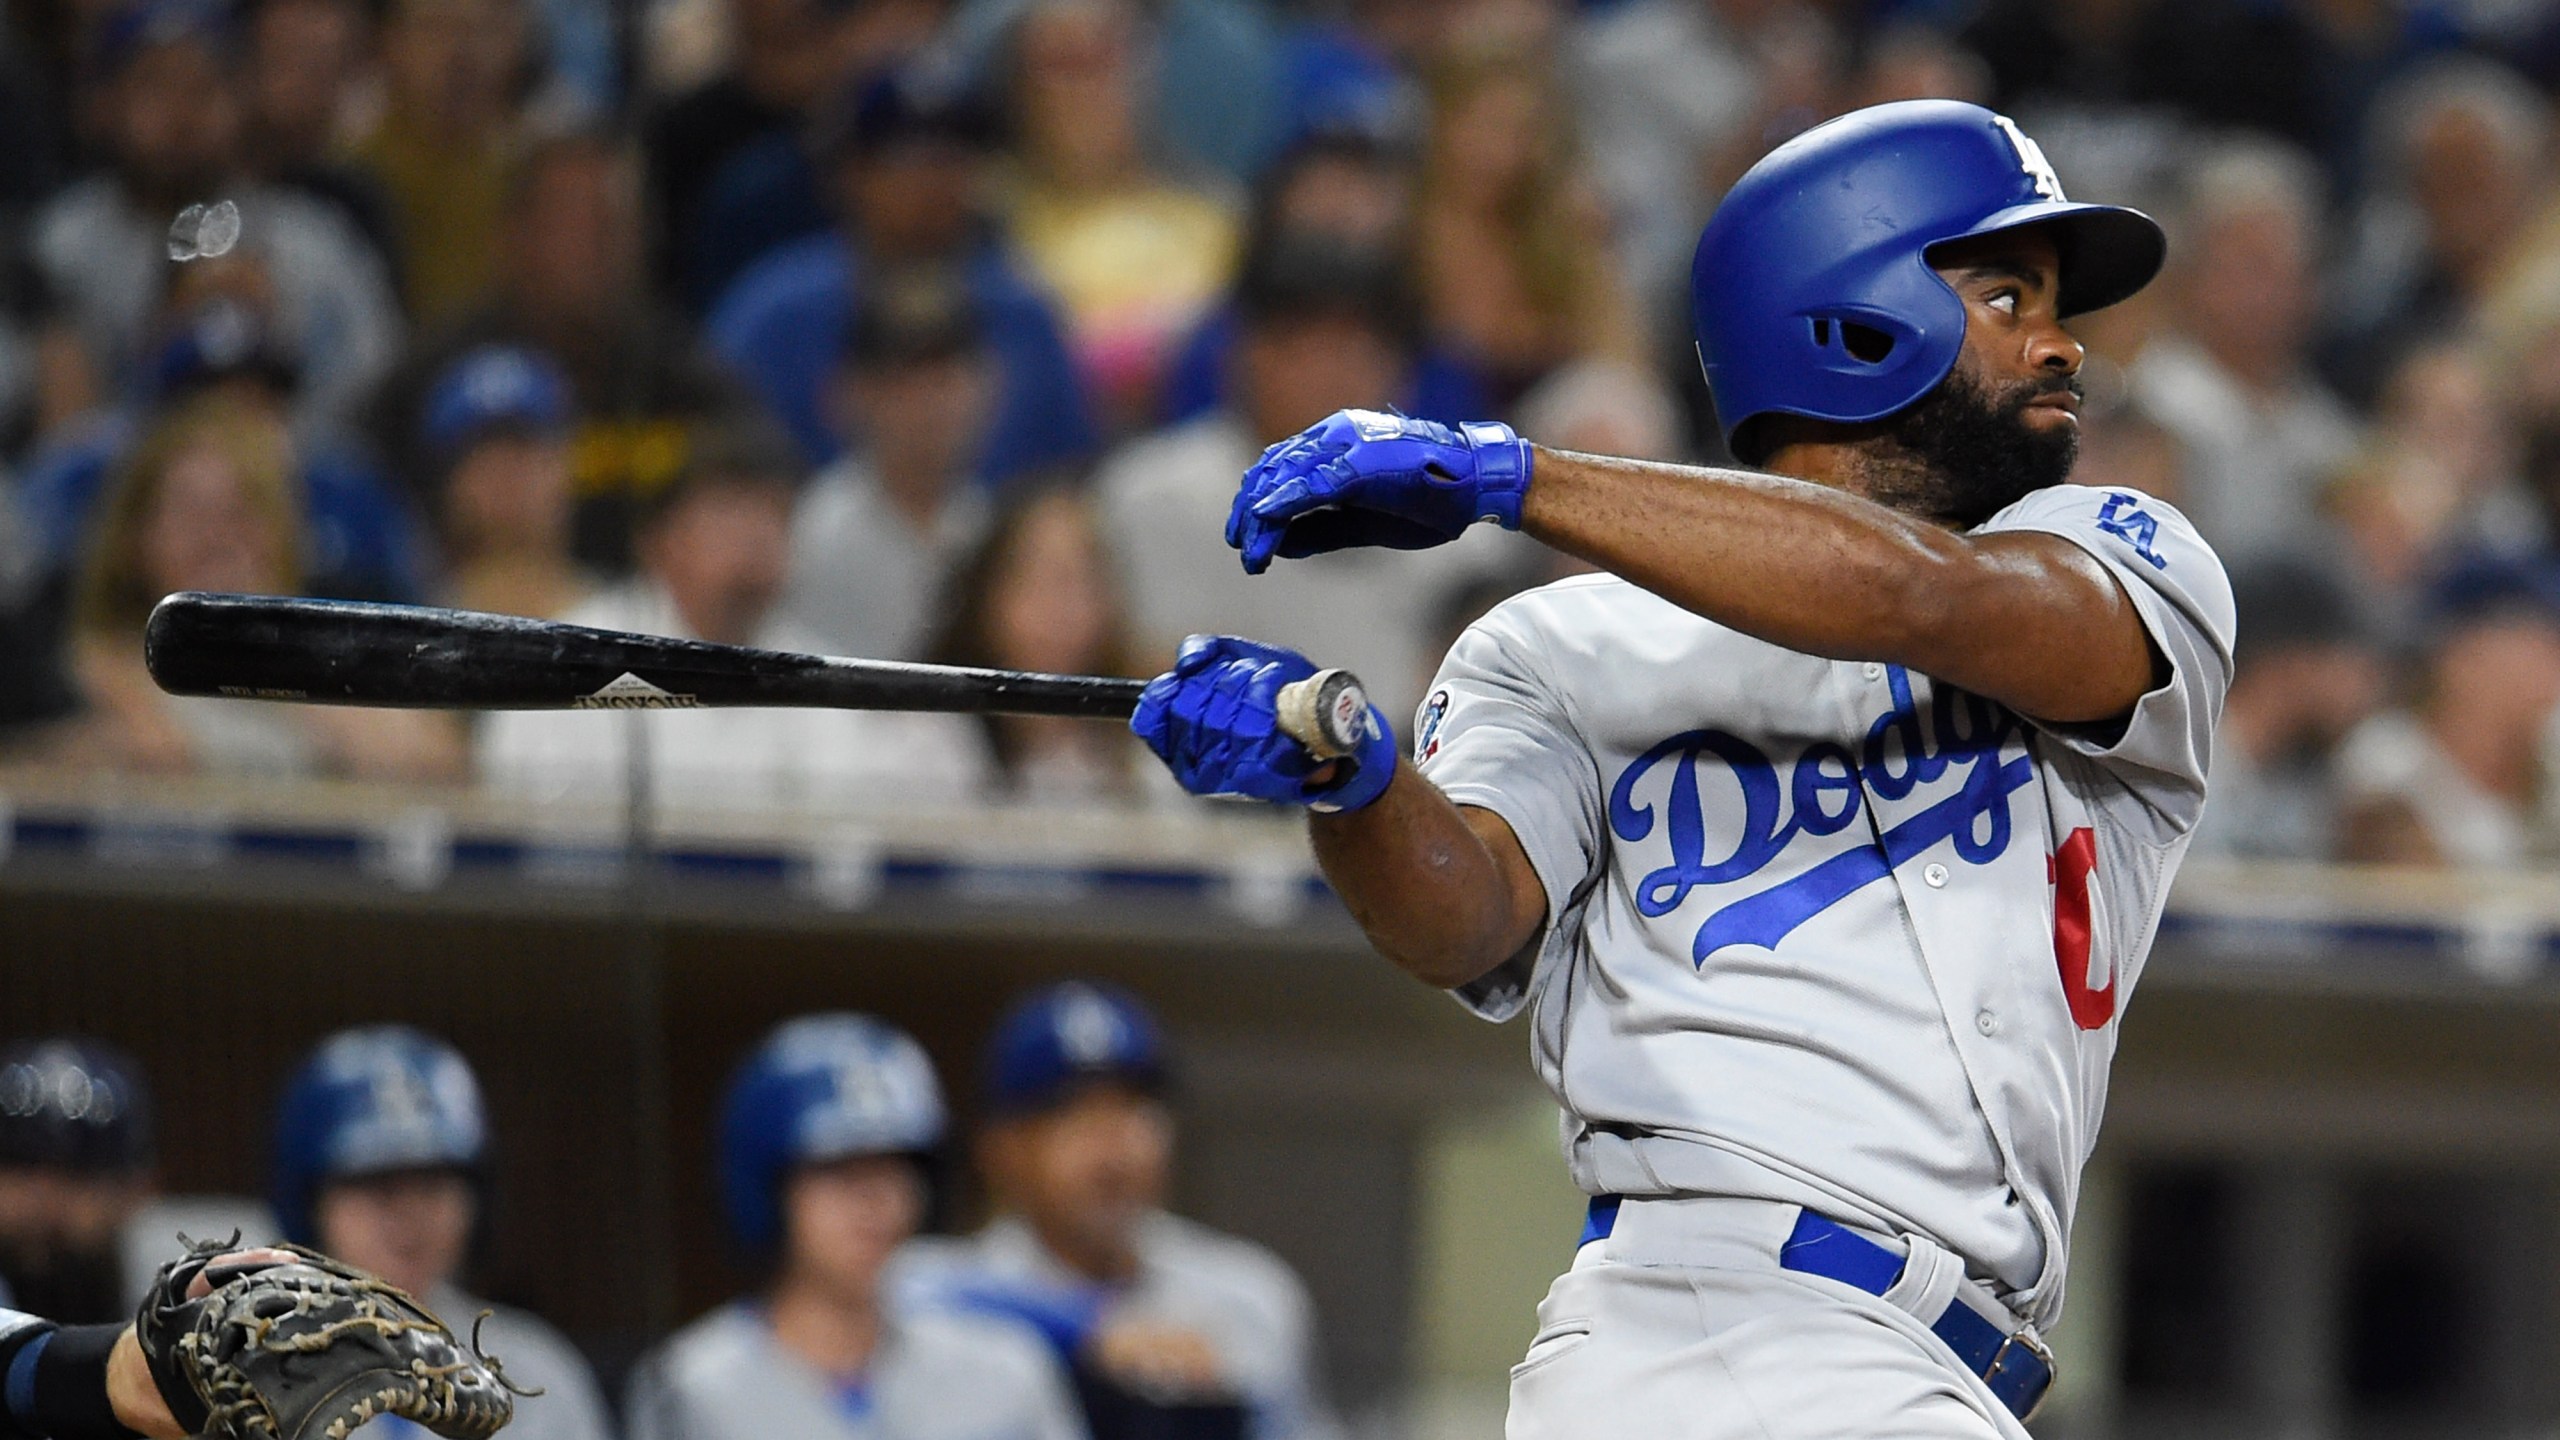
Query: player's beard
[(1971, 452)]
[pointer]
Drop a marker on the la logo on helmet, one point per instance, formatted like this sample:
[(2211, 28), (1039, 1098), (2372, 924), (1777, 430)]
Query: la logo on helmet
[(2031, 158)]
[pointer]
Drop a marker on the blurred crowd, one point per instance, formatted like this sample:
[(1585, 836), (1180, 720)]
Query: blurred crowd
[(941, 329), (1080, 1309)]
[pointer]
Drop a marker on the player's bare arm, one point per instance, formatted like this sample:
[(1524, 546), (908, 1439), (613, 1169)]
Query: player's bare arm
[(1442, 890), (1815, 565), (2029, 620)]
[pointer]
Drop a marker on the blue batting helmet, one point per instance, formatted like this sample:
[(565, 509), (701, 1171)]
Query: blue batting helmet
[(820, 1088), (1812, 292), (367, 1102), (1055, 1040)]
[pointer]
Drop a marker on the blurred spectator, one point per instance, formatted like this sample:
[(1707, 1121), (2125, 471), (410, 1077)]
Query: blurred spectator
[(1356, 191), (1038, 593), (1322, 329), (307, 97), (76, 1163), (382, 1160), (2454, 779), (786, 58), (215, 334), (169, 123), (2440, 476), (569, 285), (827, 1140), (499, 422), (1134, 256), (444, 145), (1667, 94), (1514, 259), (907, 165), (2460, 151), (205, 502), (2232, 378), (1153, 1312), (713, 547), (877, 532), (2309, 672)]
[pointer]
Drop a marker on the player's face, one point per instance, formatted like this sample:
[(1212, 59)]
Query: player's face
[(411, 1227), (2005, 422), (1088, 1171), (842, 1221), (2014, 340)]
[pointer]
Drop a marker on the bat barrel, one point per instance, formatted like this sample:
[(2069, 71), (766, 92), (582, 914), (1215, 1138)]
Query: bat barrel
[(333, 652)]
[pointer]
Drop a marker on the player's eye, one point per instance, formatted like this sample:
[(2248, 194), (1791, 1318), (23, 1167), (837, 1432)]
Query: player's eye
[(2004, 300)]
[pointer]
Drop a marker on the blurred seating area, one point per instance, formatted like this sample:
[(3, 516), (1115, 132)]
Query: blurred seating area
[(941, 329)]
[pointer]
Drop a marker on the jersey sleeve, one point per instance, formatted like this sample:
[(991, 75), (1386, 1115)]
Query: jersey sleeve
[(1494, 733), (2160, 751)]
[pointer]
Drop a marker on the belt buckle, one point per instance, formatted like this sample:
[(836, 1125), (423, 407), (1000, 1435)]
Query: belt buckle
[(2025, 1338)]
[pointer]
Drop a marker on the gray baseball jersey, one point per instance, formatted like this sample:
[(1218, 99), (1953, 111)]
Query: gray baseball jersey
[(934, 1377), (1242, 1298), (1822, 931)]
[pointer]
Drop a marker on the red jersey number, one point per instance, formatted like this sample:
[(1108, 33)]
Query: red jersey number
[(2069, 869)]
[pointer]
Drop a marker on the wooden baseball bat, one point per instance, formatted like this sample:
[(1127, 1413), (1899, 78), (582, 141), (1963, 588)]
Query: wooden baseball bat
[(412, 657)]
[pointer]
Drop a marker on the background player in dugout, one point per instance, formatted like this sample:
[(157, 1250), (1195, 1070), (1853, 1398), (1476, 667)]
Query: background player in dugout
[(827, 1140), (1880, 308), (1170, 1330), (382, 1160)]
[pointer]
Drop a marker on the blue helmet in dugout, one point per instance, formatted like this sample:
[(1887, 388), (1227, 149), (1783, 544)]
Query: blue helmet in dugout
[(1812, 292), (1060, 1038), (820, 1088), (372, 1101)]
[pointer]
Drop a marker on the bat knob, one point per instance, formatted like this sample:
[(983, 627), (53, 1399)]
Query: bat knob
[(1327, 713)]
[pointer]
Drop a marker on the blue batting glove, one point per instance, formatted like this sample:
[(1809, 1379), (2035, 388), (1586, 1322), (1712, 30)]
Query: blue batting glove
[(1364, 477), (1213, 719)]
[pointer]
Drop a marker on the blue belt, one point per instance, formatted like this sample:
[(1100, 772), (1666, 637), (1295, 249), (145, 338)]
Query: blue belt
[(2014, 1364)]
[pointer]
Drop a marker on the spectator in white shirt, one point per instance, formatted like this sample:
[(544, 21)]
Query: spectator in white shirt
[(712, 548), (879, 530)]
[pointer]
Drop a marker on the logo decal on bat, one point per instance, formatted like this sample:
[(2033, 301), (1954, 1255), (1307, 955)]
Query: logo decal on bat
[(627, 691)]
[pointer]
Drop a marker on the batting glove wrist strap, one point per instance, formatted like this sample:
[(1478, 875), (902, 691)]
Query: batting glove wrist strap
[(1502, 470), (1366, 774)]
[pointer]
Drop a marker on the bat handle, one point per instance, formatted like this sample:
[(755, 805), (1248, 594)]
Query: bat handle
[(1327, 712)]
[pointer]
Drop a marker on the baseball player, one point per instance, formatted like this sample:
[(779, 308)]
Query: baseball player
[(1823, 837), (824, 1140), (381, 1159), (1169, 1328)]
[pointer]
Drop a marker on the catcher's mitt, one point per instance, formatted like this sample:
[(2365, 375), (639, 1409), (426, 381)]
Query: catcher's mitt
[(308, 1349)]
